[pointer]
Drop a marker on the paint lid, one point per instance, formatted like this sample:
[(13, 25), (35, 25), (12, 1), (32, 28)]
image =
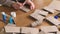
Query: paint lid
[(3, 13), (13, 14)]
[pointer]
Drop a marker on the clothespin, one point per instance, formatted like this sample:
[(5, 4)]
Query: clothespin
[(11, 20), (4, 16), (12, 17)]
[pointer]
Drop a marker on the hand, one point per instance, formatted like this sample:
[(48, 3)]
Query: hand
[(17, 5), (32, 6)]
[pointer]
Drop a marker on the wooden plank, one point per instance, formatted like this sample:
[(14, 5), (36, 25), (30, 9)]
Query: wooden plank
[(12, 29), (55, 4), (53, 20), (44, 13), (42, 32), (37, 16), (58, 32), (29, 30), (50, 10), (25, 9), (49, 29), (38, 22)]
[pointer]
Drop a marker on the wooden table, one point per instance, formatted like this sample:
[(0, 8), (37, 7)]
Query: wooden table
[(23, 19)]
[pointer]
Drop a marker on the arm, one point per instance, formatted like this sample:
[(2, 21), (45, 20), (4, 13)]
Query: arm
[(7, 2)]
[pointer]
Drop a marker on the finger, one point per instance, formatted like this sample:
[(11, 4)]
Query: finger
[(20, 4), (24, 2), (31, 7)]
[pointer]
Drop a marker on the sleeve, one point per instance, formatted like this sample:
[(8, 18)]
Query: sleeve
[(6, 2)]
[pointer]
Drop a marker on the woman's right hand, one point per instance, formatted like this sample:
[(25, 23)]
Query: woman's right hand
[(17, 5)]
